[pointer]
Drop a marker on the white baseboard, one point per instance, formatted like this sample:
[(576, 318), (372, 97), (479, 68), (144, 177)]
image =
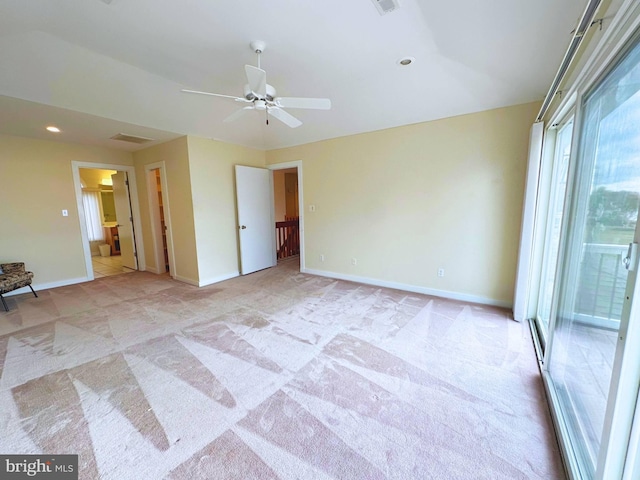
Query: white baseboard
[(186, 280), (220, 278), (208, 281), (46, 286), (72, 281), (463, 297), (322, 273)]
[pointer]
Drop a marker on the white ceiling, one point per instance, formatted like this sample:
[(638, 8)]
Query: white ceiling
[(96, 68)]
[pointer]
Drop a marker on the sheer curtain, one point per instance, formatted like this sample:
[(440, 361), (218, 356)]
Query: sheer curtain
[(91, 202)]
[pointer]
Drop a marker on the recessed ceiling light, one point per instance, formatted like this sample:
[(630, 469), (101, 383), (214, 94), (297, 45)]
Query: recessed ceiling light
[(53, 129), (406, 61)]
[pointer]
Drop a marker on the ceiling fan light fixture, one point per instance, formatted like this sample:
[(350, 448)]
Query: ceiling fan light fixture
[(248, 94), (251, 96)]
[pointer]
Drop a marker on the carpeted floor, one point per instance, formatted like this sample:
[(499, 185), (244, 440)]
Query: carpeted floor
[(274, 375)]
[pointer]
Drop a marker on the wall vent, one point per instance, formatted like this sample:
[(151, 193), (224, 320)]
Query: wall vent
[(131, 138), (386, 6)]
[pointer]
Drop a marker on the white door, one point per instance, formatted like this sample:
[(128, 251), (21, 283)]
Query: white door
[(125, 220), (255, 222)]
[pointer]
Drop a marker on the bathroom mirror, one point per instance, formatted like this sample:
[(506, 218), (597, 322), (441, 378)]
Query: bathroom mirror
[(108, 206)]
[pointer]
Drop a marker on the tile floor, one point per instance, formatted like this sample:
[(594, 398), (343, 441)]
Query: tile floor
[(107, 266)]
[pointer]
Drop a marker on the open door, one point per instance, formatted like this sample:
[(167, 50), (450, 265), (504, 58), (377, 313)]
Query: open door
[(255, 222), (125, 220)]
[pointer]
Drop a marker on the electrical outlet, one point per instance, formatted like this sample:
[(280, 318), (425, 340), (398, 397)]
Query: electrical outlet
[(321, 257), (65, 213), (441, 272), (354, 261)]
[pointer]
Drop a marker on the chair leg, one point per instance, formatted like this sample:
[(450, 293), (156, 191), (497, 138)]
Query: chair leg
[(34, 292), (4, 303)]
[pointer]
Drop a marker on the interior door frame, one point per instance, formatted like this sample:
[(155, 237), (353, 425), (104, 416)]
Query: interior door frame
[(297, 164), (135, 209), (157, 242)]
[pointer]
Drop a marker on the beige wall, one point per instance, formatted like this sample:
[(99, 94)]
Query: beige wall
[(214, 206), (403, 202), (37, 184), (409, 200), (175, 156), (93, 177)]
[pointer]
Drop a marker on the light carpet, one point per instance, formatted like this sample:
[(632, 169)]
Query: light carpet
[(275, 375)]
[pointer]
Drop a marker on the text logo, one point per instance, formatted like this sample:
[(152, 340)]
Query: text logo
[(50, 467)]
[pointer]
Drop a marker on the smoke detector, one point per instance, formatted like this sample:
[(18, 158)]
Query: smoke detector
[(386, 6)]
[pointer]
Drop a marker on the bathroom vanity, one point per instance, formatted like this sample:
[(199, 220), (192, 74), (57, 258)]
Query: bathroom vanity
[(112, 238)]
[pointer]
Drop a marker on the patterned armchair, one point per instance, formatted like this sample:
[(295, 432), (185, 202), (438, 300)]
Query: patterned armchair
[(12, 277)]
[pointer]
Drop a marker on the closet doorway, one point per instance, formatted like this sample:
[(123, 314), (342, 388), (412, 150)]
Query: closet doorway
[(160, 219)]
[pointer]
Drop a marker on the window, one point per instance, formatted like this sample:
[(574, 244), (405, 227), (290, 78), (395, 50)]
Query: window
[(91, 203)]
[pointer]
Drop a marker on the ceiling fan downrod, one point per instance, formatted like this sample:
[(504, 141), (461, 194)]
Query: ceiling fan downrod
[(258, 47)]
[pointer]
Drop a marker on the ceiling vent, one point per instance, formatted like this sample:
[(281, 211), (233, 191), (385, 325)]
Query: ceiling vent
[(386, 6), (131, 138)]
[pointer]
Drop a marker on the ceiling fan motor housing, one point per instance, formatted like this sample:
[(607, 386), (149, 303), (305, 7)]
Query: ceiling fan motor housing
[(251, 96)]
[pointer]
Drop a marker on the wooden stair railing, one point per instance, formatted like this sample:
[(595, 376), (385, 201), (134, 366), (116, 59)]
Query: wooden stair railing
[(288, 238)]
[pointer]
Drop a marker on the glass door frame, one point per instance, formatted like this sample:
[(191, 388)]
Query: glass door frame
[(623, 399), (548, 178), (623, 391), (571, 462)]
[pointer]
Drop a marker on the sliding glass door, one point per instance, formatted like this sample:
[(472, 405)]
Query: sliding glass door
[(593, 290)]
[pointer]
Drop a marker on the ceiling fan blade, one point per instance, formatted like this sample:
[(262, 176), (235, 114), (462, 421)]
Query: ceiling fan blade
[(284, 117), (293, 102), (237, 114), (257, 80), (212, 94)]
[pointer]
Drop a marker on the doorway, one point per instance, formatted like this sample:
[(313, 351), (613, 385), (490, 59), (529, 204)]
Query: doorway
[(255, 208), (160, 219), (106, 200), (288, 211)]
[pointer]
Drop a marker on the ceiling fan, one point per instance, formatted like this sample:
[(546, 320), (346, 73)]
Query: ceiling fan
[(262, 96)]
